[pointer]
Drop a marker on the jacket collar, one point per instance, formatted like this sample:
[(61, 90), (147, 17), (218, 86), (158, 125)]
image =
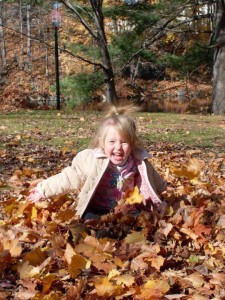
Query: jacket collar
[(141, 154), (99, 153)]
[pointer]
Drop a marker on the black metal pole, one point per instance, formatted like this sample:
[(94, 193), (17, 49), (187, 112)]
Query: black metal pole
[(57, 69)]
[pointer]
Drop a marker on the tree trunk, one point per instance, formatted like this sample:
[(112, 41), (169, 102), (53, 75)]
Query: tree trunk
[(21, 32), (218, 101), (46, 54), (2, 35), (28, 38), (111, 96)]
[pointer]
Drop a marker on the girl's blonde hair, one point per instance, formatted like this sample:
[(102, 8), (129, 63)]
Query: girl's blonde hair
[(118, 117)]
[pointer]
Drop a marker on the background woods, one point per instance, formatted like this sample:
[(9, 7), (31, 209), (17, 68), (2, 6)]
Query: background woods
[(161, 54)]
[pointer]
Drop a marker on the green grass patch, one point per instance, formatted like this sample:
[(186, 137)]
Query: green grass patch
[(74, 130)]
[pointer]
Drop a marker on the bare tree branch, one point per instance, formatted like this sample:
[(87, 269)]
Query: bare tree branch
[(72, 7), (62, 49)]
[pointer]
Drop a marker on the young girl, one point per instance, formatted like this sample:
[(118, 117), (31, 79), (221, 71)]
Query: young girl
[(115, 164)]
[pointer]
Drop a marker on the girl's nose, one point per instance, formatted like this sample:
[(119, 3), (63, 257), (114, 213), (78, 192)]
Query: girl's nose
[(118, 145)]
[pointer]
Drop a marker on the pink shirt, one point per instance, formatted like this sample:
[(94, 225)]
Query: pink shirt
[(113, 185)]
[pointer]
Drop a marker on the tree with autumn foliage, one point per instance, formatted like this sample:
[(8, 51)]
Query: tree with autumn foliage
[(98, 34), (124, 41), (145, 39)]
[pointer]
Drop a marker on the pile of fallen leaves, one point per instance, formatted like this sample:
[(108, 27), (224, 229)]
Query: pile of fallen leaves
[(46, 252)]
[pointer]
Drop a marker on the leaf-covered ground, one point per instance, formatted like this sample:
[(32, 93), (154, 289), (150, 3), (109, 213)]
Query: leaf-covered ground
[(47, 253)]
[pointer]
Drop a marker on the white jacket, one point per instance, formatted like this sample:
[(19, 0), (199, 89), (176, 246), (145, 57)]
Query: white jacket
[(87, 170)]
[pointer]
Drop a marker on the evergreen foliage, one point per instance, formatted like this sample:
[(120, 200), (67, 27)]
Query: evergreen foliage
[(79, 89), (191, 59)]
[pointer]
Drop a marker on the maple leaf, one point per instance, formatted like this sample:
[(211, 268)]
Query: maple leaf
[(47, 282), (76, 262), (218, 278), (27, 271), (133, 196), (74, 292), (153, 289), (35, 257), (202, 230), (157, 262), (33, 213), (105, 288), (196, 279), (165, 228), (4, 295), (192, 170), (189, 233), (5, 258), (69, 253), (66, 215), (13, 246), (24, 294), (125, 280), (113, 273), (135, 237)]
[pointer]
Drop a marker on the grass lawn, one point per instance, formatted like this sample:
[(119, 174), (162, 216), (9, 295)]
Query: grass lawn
[(73, 131)]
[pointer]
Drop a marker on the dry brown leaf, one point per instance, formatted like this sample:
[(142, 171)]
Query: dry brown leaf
[(135, 237), (13, 246), (77, 265), (153, 289)]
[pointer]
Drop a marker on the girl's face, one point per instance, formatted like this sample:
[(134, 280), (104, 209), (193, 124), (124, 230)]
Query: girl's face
[(116, 148)]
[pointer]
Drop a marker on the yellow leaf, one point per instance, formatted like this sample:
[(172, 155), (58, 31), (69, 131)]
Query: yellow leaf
[(33, 213), (113, 273), (154, 289), (125, 280), (105, 288), (134, 197), (158, 284), (191, 171), (170, 211)]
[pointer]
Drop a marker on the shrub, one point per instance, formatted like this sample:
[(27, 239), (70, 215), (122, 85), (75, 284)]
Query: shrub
[(79, 89), (189, 62)]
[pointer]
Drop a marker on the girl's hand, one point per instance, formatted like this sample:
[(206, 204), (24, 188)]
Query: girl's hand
[(34, 195)]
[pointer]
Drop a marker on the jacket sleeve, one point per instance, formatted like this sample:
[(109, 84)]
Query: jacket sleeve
[(71, 178), (157, 182)]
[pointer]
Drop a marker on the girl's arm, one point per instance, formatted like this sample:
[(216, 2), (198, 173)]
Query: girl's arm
[(68, 180)]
